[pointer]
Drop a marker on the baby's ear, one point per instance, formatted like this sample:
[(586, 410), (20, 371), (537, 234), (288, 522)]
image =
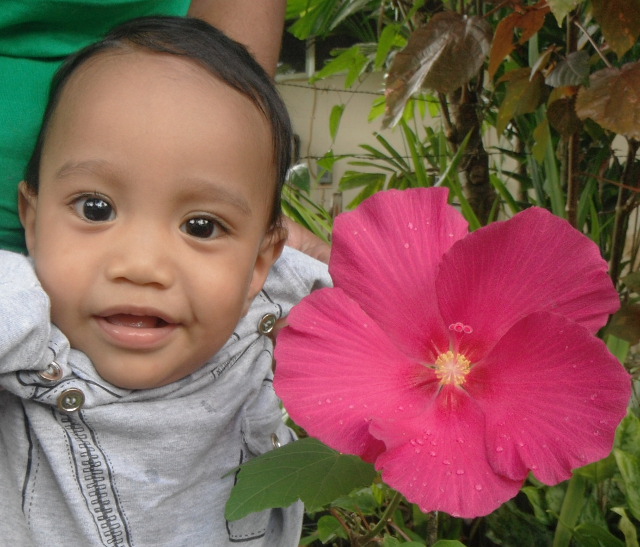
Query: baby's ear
[(27, 201), (270, 250)]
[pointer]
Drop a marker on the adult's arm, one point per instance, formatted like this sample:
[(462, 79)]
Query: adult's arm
[(258, 24)]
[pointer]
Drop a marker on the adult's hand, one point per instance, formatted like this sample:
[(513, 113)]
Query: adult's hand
[(306, 241)]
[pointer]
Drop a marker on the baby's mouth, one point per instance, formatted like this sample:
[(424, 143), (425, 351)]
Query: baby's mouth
[(136, 321)]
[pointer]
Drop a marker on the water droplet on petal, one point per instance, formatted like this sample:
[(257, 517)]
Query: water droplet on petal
[(418, 450), (410, 226), (432, 454), (594, 396), (328, 400), (446, 462), (478, 487), (460, 472), (406, 245), (499, 449)]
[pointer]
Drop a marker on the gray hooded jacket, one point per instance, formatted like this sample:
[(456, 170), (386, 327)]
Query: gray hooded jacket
[(85, 463)]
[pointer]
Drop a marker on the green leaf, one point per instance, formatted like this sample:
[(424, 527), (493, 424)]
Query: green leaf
[(329, 527), (628, 434), (629, 466), (592, 535), (536, 499), (599, 471), (627, 527), (355, 179), (300, 178), (560, 8), (352, 61), (523, 95), (508, 526), (541, 138), (334, 120), (389, 37), (618, 346), (306, 469), (448, 543)]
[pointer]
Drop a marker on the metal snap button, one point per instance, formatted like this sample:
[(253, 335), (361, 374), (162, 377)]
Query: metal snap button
[(71, 400), (52, 373), (275, 441), (266, 324)]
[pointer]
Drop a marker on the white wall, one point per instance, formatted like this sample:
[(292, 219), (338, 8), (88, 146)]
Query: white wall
[(310, 107)]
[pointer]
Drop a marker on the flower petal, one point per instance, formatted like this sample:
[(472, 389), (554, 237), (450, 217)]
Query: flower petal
[(337, 371), (506, 270), (439, 460), (385, 255), (553, 396)]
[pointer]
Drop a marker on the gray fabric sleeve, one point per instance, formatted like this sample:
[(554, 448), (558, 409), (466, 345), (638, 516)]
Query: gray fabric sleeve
[(25, 327), (294, 276)]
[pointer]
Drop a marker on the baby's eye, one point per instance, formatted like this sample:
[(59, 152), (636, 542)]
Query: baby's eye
[(94, 208), (202, 228)]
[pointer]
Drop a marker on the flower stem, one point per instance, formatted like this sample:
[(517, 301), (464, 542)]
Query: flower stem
[(570, 511), (384, 519)]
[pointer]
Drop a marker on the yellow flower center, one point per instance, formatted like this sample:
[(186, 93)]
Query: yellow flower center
[(452, 368)]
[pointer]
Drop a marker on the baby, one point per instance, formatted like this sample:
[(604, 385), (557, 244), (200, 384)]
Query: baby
[(134, 355)]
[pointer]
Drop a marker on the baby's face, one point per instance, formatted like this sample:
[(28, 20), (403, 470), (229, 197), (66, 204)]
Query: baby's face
[(150, 229)]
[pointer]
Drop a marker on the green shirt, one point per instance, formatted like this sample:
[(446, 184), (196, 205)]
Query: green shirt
[(35, 37)]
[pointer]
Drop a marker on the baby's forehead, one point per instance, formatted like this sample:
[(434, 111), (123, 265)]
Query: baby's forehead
[(115, 79), (124, 63)]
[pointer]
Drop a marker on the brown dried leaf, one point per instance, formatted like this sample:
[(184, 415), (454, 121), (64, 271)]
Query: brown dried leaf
[(632, 282), (442, 55), (530, 21), (619, 21), (613, 99), (562, 117), (625, 323)]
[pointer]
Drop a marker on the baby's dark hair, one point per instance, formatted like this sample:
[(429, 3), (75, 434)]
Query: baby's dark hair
[(198, 41)]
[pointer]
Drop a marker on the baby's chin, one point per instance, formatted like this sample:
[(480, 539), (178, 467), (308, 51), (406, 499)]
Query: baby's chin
[(141, 372)]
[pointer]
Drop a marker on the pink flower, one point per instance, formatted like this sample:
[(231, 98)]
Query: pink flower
[(456, 362)]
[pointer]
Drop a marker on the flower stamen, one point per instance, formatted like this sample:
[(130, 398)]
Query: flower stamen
[(452, 368)]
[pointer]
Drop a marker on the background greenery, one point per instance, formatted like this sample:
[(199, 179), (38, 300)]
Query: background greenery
[(557, 84)]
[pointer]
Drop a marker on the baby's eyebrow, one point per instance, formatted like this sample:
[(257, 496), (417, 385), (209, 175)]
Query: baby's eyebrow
[(195, 188), (98, 167)]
